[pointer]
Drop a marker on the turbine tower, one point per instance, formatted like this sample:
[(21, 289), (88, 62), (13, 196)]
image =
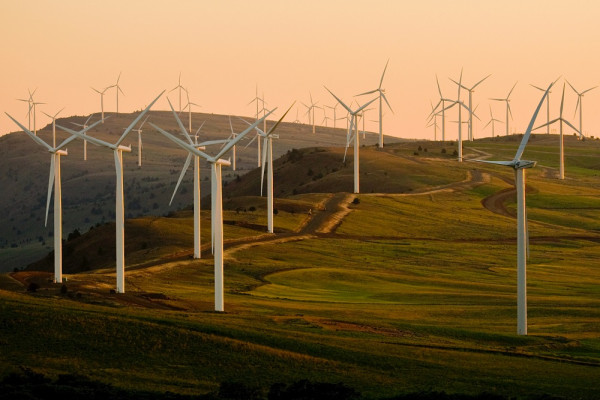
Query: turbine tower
[(216, 200), (471, 90), (507, 100), (180, 88), (519, 167), (335, 118), (118, 150), (189, 107), (579, 104), (117, 90), (84, 126), (139, 132), (354, 137), (561, 146), (54, 180), (267, 158), (492, 121), (29, 102), (310, 108), (442, 102), (101, 93), (380, 96)]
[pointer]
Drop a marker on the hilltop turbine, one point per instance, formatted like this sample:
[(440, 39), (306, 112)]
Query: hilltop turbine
[(267, 157), (29, 102), (233, 150), (507, 100), (84, 126), (139, 132), (471, 90), (354, 137), (460, 104), (189, 107), (380, 96), (519, 167), (101, 93), (310, 108), (54, 178), (53, 117), (117, 90), (442, 102), (335, 118), (216, 200), (118, 150), (258, 99), (180, 88), (561, 120), (492, 121), (579, 104)]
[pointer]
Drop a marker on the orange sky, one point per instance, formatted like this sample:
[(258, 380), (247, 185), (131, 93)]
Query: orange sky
[(290, 48)]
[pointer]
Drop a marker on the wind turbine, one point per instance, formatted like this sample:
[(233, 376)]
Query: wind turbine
[(118, 150), (471, 90), (198, 146), (118, 89), (519, 167), (492, 121), (233, 150), (101, 93), (442, 102), (355, 137), (84, 126), (53, 117), (216, 199), (310, 108), (179, 87), (54, 179), (139, 132), (267, 157), (189, 107), (561, 120), (507, 100), (381, 96), (579, 104), (460, 104), (29, 102), (335, 118)]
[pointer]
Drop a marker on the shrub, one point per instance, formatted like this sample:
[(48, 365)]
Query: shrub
[(63, 289), (33, 287), (443, 151), (356, 200)]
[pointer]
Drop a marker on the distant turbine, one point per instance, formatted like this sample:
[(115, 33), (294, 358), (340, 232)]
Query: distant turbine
[(492, 121), (267, 158), (442, 102), (355, 137), (216, 200), (139, 132), (84, 126), (507, 100), (460, 104), (579, 104), (189, 107), (117, 90), (53, 117), (118, 150), (256, 100), (561, 120), (471, 90), (381, 96), (29, 102), (101, 93), (179, 87), (310, 108), (519, 167), (54, 178)]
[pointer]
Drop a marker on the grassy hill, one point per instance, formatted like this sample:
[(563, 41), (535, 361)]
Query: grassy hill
[(89, 186), (409, 289)]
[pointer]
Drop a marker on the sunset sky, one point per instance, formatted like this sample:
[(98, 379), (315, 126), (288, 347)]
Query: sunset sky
[(288, 48)]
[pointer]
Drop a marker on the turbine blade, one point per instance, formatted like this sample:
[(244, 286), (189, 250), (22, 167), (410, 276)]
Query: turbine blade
[(137, 119), (387, 102), (180, 142), (339, 101), (181, 175), (383, 74), (364, 106), (575, 90), (27, 131), (571, 125), (477, 84), (50, 184), (530, 126), (369, 92), (262, 166), (279, 121), (91, 139), (513, 88), (239, 137), (562, 101), (73, 137), (546, 124)]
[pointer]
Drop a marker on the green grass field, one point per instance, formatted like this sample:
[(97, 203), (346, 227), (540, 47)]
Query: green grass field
[(411, 293)]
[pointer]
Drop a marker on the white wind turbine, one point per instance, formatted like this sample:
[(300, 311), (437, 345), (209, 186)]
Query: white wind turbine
[(256, 100), (381, 96), (519, 167), (355, 137), (460, 104), (441, 102), (189, 107), (267, 157), (84, 126), (335, 118), (311, 117), (216, 200), (139, 132), (196, 172), (180, 88), (101, 93), (29, 102), (492, 121), (233, 150), (471, 90), (561, 120), (579, 104), (508, 112), (118, 150), (54, 180), (117, 90)]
